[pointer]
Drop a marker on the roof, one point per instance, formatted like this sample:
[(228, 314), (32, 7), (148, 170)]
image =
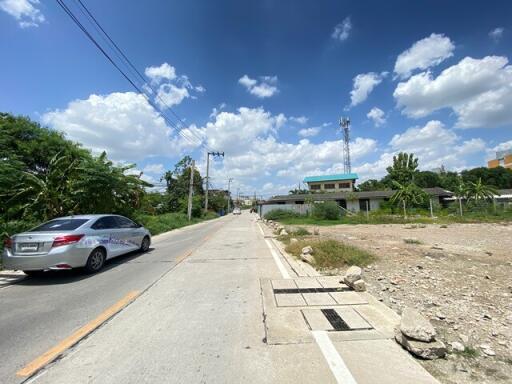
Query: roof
[(339, 176), (357, 195)]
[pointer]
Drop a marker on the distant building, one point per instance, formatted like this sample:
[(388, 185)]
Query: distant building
[(342, 182), (503, 159)]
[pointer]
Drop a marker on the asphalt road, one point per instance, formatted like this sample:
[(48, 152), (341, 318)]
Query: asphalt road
[(37, 313)]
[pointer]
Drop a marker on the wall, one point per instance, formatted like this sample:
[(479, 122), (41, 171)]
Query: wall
[(299, 208)]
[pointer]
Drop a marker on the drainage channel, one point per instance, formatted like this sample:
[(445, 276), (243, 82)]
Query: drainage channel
[(310, 290), (336, 321)]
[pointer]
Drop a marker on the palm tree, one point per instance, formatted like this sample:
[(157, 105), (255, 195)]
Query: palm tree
[(407, 194), (479, 191)]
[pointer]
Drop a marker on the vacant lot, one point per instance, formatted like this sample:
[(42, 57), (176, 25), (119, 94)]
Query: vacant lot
[(459, 275)]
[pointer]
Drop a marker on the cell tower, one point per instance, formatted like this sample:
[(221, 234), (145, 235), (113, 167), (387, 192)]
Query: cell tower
[(345, 128)]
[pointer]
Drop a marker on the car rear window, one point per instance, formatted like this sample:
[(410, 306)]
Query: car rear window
[(60, 225)]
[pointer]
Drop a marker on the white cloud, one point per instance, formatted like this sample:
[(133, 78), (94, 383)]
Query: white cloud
[(24, 11), (254, 154), (122, 124), (265, 87), (377, 115), (154, 168), (299, 119), (424, 54), (169, 95), (497, 33), (342, 30), (434, 145), (504, 146), (310, 132), (479, 91), (363, 86), (162, 72)]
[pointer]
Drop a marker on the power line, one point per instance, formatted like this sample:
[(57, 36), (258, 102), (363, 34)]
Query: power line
[(109, 58), (120, 54)]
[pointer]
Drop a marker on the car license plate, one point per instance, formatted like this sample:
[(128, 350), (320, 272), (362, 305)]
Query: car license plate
[(29, 247)]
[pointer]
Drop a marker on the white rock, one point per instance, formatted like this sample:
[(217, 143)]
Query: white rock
[(293, 240), (352, 275), (457, 347), (416, 326), (359, 286), (307, 257), (307, 250), (284, 233)]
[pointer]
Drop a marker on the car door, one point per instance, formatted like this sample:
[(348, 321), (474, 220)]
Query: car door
[(130, 233), (106, 233)]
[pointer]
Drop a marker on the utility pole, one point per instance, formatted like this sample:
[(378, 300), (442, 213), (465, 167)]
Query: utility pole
[(191, 190), (229, 194), (208, 175)]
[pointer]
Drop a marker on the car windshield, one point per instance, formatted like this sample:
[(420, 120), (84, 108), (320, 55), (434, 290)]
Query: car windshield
[(60, 225)]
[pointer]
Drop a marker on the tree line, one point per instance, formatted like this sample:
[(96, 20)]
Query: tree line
[(44, 175)]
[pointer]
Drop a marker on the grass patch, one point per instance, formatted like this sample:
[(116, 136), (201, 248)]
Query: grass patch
[(412, 241), (294, 233), (332, 253), (468, 352), (169, 221)]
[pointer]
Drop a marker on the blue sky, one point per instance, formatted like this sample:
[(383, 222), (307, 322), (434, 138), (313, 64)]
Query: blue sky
[(266, 82)]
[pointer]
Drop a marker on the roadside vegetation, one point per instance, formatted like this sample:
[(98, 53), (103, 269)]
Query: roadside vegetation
[(330, 254), (474, 191), (43, 175)]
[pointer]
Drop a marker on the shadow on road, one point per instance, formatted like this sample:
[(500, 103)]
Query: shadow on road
[(73, 275)]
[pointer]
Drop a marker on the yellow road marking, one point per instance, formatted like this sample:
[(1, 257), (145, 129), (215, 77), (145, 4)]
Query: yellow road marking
[(74, 338)]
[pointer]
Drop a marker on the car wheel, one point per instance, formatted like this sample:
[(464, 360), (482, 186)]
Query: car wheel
[(144, 247), (95, 261), (33, 273)]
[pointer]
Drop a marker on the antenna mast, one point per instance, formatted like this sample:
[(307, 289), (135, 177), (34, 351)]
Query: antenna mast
[(345, 128)]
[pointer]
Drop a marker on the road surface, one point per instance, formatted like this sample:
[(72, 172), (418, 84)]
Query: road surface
[(202, 314)]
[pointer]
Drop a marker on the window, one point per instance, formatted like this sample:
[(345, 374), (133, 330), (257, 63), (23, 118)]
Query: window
[(344, 185), (107, 222), (329, 186), (362, 204), (314, 187), (60, 225), (123, 222)]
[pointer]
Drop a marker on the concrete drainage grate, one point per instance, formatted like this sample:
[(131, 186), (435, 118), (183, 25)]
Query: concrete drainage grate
[(309, 290), (335, 320)]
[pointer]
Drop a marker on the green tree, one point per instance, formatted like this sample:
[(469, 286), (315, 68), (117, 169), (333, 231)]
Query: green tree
[(372, 185), (178, 182), (427, 179), (461, 192), (478, 191), (407, 195), (404, 168)]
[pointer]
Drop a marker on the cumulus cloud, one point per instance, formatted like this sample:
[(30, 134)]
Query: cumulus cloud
[(167, 88), (497, 33), (266, 86), (162, 72), (253, 152), (342, 30), (479, 91), (377, 115), (299, 119), (424, 54), (364, 84), (310, 132), (433, 144), (122, 124), (24, 11)]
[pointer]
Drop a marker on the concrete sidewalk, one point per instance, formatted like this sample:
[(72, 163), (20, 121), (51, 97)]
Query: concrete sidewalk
[(204, 322)]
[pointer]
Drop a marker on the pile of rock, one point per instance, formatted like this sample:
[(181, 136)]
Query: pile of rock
[(307, 255), (354, 279), (418, 336)]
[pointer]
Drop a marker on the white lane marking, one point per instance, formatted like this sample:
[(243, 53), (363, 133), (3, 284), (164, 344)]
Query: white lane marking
[(333, 358), (261, 230), (278, 261)]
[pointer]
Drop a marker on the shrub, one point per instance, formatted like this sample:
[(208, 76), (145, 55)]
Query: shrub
[(328, 210), (278, 214), (332, 253)]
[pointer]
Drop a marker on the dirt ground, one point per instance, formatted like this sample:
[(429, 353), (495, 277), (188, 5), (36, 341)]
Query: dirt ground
[(457, 275)]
